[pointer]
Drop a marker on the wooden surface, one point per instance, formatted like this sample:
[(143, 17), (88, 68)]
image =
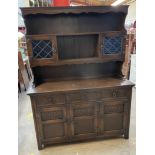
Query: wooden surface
[(71, 85), (95, 147), (46, 62), (78, 95), (70, 72), (84, 114), (76, 33), (75, 9), (81, 19)]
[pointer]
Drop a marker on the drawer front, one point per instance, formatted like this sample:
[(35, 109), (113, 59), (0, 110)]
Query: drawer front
[(51, 99), (84, 96), (100, 94), (115, 93)]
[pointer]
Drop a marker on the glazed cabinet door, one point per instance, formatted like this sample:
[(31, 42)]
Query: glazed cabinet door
[(83, 121), (53, 124), (42, 49), (112, 44), (113, 117)]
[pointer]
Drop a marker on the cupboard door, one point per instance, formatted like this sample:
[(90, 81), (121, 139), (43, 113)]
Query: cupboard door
[(53, 124), (83, 120), (113, 117), (42, 49), (112, 44)]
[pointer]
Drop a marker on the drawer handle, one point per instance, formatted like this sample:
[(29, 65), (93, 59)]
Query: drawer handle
[(50, 99), (114, 94)]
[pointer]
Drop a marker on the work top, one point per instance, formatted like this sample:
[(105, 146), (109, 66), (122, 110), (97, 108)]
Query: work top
[(73, 85)]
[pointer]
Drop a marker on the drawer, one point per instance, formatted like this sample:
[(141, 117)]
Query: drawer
[(84, 96), (51, 99), (99, 94), (115, 93)]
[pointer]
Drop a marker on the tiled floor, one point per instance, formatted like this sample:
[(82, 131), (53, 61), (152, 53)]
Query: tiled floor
[(28, 145)]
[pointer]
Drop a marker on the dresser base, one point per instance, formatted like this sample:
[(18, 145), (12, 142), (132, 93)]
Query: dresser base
[(81, 110)]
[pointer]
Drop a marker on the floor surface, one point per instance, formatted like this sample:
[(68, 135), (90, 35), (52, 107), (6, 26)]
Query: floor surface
[(28, 146)]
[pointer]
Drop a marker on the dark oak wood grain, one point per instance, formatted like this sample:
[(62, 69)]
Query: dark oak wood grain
[(78, 85), (79, 92)]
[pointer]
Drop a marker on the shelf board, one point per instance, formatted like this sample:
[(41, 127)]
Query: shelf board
[(123, 32), (49, 62)]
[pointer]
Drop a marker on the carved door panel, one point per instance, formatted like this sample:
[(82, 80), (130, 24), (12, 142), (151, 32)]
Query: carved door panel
[(83, 120), (113, 117), (53, 124)]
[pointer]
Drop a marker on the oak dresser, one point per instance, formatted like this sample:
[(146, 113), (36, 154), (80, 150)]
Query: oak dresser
[(76, 56)]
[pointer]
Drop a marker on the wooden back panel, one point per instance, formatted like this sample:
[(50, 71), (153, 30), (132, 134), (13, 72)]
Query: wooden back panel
[(73, 23), (79, 71), (79, 46)]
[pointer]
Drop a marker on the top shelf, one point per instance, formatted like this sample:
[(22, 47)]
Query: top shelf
[(67, 20), (73, 10)]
